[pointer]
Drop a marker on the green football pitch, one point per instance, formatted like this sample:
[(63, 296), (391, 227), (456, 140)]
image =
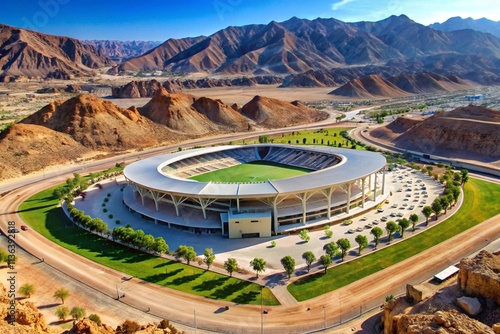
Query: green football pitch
[(251, 172)]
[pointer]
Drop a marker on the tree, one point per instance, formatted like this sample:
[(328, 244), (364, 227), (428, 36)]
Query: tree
[(27, 290), (328, 231), (436, 207), (427, 211), (377, 233), (404, 223), (309, 257), (325, 261), (62, 312), (258, 265), (391, 227), (304, 235), (77, 312), (288, 263), (362, 242), (61, 294), (231, 266), (445, 202), (465, 176), (148, 242), (138, 238), (209, 257), (331, 249), (160, 246), (4, 256), (344, 245), (185, 252), (414, 220)]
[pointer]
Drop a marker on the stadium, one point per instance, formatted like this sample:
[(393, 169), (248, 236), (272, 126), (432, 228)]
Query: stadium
[(254, 190)]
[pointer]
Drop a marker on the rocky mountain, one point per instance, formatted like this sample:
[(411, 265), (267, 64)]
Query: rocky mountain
[(299, 45), (458, 23), (471, 133), (120, 50), (32, 54), (268, 112), (101, 125), (375, 86), (194, 116)]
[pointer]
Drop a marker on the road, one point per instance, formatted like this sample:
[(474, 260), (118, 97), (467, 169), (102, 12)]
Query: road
[(213, 315)]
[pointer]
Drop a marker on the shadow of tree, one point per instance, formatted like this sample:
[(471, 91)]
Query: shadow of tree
[(229, 289), (211, 284), (247, 297), (185, 279)]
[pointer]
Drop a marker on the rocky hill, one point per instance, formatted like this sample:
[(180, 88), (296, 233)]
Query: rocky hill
[(471, 132), (298, 45), (467, 306), (26, 148), (458, 23), (194, 116), (32, 54), (272, 113), (101, 125), (375, 86), (120, 50)]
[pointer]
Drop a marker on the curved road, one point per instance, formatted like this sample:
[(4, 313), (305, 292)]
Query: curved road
[(212, 315)]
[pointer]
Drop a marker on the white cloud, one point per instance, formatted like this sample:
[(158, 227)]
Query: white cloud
[(340, 4)]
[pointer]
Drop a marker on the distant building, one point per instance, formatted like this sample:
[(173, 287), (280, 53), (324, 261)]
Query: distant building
[(476, 97)]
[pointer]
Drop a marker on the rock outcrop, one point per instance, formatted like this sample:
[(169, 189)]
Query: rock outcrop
[(479, 276), (28, 319)]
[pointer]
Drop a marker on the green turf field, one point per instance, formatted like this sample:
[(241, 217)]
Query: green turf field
[(252, 172)]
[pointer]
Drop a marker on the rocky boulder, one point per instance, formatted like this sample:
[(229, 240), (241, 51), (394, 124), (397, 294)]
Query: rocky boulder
[(470, 305), (480, 276)]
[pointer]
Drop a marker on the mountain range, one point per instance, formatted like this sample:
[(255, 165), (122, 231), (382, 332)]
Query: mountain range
[(458, 23), (122, 50), (299, 45), (29, 53)]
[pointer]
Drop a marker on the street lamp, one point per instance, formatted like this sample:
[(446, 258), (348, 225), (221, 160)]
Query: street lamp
[(261, 312)]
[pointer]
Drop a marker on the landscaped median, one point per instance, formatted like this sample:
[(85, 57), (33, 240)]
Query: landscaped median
[(480, 203), (43, 213)]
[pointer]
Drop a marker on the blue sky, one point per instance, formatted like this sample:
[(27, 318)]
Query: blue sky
[(163, 19)]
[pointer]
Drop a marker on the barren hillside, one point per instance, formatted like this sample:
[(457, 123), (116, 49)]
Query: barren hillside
[(191, 115), (33, 54), (101, 125), (471, 132), (271, 113)]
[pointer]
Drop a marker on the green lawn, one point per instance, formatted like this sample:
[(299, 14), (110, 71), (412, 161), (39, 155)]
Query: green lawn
[(327, 136), (41, 212), (480, 203), (252, 172)]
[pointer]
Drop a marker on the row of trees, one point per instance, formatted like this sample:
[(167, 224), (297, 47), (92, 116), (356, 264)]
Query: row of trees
[(92, 224), (139, 239)]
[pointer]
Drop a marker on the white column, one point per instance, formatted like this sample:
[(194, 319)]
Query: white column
[(375, 188), (363, 193)]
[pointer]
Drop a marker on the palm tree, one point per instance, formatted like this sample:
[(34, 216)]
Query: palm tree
[(27, 290), (62, 312), (62, 294), (77, 312)]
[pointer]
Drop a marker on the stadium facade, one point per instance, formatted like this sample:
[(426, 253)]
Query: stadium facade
[(340, 180)]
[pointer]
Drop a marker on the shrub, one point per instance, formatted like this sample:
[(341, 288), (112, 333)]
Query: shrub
[(109, 195), (104, 210), (103, 204), (110, 216), (118, 222), (273, 243), (95, 318), (106, 200)]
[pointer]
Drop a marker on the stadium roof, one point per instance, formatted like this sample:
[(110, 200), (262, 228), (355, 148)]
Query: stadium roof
[(355, 164)]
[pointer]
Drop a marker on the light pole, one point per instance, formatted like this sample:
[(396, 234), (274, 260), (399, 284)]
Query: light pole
[(324, 316), (261, 312)]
